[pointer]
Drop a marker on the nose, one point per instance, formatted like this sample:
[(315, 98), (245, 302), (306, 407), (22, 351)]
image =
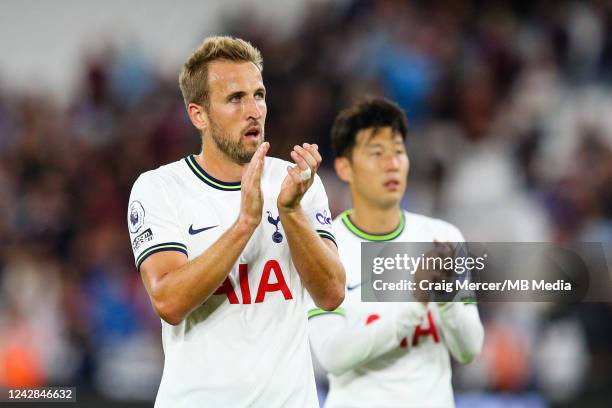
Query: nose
[(391, 162), (253, 110)]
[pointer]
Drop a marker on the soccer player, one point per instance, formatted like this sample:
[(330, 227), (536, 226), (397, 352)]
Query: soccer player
[(228, 242), (386, 354)]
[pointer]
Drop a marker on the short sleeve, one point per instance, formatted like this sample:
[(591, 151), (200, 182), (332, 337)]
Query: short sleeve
[(317, 211), (314, 311), (152, 220)]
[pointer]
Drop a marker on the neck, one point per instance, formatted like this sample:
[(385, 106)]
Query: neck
[(217, 164), (374, 219)]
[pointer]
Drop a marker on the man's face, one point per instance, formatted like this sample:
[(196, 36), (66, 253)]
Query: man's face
[(379, 167), (237, 109)]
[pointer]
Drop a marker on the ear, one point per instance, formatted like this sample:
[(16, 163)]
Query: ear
[(198, 116), (343, 168)]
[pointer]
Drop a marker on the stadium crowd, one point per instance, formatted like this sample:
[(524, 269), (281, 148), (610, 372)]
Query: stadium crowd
[(511, 139)]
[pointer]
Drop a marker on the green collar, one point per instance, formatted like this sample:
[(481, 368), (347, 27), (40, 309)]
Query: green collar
[(345, 217)]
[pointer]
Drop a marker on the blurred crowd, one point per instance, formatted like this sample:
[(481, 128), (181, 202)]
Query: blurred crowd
[(509, 105)]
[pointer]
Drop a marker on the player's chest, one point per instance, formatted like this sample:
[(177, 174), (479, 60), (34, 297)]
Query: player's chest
[(204, 220)]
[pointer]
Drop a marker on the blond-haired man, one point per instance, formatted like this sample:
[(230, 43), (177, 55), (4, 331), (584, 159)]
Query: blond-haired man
[(228, 242)]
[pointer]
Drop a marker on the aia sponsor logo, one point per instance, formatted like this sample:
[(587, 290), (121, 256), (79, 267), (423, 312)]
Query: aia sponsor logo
[(426, 328), (265, 286)]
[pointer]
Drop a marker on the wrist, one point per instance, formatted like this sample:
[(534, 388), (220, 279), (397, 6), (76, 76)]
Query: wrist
[(246, 225), (289, 210)]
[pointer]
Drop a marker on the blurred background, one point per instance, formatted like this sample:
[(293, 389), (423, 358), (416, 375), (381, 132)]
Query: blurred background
[(510, 110)]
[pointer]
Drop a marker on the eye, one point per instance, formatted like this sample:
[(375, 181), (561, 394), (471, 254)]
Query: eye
[(260, 95)]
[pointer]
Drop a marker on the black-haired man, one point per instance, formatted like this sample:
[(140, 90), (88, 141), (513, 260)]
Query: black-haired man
[(386, 354)]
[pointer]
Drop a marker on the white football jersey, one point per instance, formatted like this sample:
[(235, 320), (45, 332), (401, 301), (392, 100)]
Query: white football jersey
[(417, 373), (247, 345)]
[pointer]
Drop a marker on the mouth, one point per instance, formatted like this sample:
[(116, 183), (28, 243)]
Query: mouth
[(392, 185), (252, 133)]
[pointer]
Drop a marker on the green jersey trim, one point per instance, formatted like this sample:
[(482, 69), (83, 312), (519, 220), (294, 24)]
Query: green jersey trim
[(346, 220), (318, 312)]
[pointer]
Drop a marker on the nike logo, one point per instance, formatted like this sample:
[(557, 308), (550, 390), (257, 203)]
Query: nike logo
[(349, 287), (197, 231)]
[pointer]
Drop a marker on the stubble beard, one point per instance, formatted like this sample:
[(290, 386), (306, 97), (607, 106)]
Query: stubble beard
[(237, 151)]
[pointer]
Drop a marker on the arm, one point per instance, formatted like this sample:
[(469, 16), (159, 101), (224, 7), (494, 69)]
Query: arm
[(460, 323), (176, 286), (462, 330), (316, 260), (340, 347)]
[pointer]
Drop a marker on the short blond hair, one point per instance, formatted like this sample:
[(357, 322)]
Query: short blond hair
[(193, 79)]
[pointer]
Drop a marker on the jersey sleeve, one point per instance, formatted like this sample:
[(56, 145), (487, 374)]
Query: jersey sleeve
[(314, 311), (152, 220), (342, 344), (462, 329), (317, 211)]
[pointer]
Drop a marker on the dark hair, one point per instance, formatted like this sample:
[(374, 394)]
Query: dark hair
[(369, 113)]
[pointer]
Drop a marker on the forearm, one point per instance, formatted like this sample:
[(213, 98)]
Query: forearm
[(318, 265), (340, 347), (462, 329), (179, 291)]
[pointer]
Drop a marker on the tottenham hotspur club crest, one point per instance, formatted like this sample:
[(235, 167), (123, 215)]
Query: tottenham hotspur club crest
[(277, 236)]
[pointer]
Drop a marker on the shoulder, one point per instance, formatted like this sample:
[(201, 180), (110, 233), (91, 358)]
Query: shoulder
[(162, 178), (340, 228), (443, 229)]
